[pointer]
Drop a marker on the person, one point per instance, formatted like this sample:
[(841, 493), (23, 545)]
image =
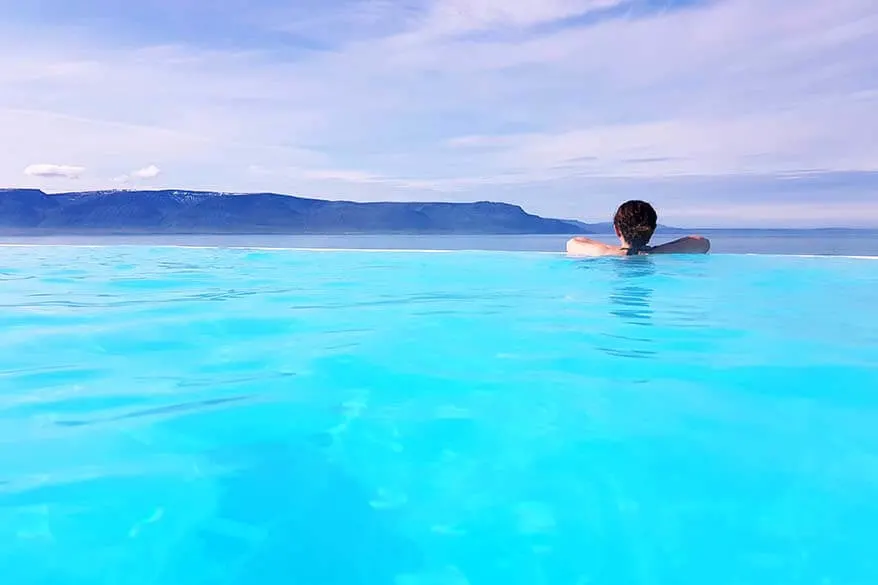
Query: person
[(635, 222)]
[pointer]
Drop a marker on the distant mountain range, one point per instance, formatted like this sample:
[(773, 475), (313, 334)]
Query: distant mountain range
[(199, 212), (33, 212)]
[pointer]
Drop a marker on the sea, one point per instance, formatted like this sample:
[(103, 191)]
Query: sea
[(727, 241)]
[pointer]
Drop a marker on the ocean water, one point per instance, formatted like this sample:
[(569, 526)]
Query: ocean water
[(795, 242), (206, 416)]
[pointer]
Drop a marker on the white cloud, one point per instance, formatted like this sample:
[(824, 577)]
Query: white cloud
[(150, 172), (54, 171)]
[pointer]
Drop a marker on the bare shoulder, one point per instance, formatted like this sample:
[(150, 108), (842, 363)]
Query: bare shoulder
[(581, 246)]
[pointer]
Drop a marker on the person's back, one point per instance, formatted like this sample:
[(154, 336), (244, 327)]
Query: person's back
[(635, 222)]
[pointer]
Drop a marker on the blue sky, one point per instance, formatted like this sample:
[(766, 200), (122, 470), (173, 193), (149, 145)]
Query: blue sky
[(722, 112)]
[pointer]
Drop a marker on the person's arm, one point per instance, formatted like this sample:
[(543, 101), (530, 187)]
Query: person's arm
[(687, 245), (588, 247)]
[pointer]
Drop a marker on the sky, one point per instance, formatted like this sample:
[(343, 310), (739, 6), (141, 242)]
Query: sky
[(722, 113)]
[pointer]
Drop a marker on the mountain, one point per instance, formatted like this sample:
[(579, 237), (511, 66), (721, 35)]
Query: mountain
[(180, 212)]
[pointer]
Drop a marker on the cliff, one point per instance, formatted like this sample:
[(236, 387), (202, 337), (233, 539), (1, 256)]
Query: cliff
[(180, 212)]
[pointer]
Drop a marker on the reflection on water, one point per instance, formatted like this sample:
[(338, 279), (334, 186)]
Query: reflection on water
[(630, 301)]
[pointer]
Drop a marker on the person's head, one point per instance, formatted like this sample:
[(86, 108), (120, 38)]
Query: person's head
[(635, 223)]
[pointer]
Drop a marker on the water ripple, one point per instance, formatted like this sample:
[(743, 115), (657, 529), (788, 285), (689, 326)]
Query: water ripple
[(203, 416), (151, 412)]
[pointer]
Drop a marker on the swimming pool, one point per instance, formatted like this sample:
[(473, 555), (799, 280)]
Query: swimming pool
[(176, 416)]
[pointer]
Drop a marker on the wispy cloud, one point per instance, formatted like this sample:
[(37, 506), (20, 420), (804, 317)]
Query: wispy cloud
[(561, 105), (778, 142), (453, 17)]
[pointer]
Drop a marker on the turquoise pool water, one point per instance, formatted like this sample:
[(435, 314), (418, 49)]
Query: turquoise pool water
[(203, 416)]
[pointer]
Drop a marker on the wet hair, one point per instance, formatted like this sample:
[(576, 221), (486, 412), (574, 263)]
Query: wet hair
[(636, 221)]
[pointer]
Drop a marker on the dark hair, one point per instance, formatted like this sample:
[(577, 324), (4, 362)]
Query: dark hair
[(636, 221)]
